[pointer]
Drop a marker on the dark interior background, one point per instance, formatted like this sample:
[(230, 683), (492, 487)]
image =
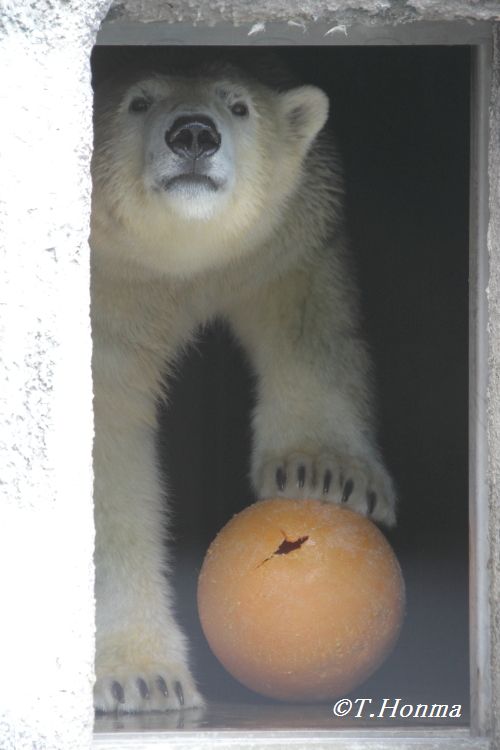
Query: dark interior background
[(401, 118)]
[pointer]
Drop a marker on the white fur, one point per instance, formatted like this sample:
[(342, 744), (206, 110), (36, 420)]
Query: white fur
[(265, 251)]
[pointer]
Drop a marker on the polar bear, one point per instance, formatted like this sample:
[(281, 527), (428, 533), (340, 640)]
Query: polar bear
[(216, 194)]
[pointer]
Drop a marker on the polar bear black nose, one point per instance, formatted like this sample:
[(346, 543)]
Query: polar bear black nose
[(193, 136)]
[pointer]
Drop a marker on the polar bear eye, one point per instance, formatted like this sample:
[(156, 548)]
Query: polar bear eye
[(139, 104), (239, 109)]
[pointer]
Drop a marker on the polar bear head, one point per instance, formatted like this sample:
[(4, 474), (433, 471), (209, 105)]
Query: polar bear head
[(196, 168)]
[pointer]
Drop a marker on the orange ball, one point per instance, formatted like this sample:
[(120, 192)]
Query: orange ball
[(300, 600)]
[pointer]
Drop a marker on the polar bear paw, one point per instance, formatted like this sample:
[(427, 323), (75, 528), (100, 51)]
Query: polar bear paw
[(159, 687), (362, 485)]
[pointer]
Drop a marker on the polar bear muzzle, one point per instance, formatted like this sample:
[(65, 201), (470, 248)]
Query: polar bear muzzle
[(193, 137)]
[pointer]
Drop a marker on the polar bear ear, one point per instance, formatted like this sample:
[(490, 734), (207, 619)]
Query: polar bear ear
[(305, 110)]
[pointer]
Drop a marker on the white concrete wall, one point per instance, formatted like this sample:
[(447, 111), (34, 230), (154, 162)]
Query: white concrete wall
[(46, 524), (494, 383), (46, 529)]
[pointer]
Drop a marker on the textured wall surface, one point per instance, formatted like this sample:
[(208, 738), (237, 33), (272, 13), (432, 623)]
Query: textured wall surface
[(46, 525), (305, 11), (46, 529), (494, 380)]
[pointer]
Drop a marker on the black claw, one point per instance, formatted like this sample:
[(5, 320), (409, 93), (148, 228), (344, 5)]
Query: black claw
[(327, 479), (143, 688), (117, 692), (162, 686), (301, 476), (371, 499), (280, 478), (348, 488), (179, 692)]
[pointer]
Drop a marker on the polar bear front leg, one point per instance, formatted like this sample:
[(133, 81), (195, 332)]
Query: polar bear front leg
[(312, 426), (141, 653)]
